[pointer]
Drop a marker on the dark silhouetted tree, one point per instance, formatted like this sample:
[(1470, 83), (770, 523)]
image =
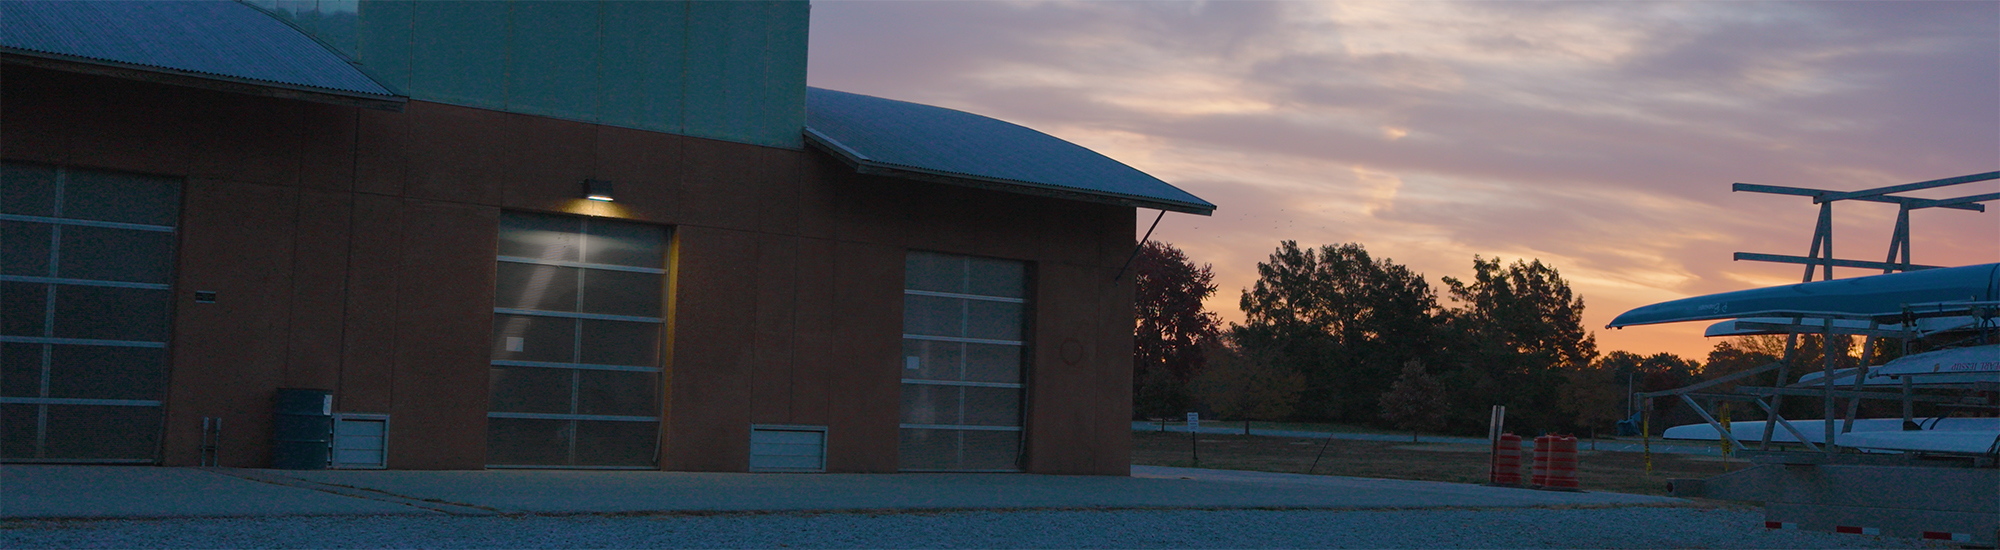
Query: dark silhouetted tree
[(1341, 319), (1734, 355), (1416, 401), (1172, 328), (1516, 330), (1647, 373), (1594, 396), (1248, 384)]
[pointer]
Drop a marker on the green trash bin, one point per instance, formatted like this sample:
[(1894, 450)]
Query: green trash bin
[(302, 431)]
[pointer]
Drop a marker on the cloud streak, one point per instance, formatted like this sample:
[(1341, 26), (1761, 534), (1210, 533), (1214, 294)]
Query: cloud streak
[(1598, 137)]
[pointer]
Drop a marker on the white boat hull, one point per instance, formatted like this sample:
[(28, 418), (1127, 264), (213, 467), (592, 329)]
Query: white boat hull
[(1815, 431), (1929, 441), (1950, 366)]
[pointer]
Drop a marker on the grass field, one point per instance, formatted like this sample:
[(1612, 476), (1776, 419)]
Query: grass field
[(1290, 426), (1456, 463)]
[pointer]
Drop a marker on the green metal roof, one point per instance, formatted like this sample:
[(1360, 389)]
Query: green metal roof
[(222, 44), (910, 140)]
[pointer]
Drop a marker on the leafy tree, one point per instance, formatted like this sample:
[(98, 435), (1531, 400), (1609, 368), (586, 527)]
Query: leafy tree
[(1520, 327), (1416, 401), (1173, 329), (1248, 384), (1342, 319), (1666, 371), (1735, 355), (1525, 310), (1765, 344), (1657, 372), (1594, 395), (1808, 355)]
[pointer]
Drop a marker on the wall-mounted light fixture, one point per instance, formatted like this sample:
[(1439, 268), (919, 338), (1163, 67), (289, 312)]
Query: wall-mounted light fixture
[(597, 190)]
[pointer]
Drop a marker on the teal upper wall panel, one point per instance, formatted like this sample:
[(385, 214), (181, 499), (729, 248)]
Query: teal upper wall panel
[(746, 67), (461, 54), (383, 39), (733, 71), (648, 86), (331, 21), (558, 73)]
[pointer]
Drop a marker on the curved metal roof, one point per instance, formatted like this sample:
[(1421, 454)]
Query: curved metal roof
[(1873, 297), (222, 41), (911, 140)]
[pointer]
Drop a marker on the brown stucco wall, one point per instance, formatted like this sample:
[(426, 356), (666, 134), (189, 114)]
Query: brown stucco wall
[(352, 250)]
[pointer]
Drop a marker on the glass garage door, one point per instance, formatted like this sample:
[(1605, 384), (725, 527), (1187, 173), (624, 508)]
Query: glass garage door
[(963, 319), (577, 324), (86, 260)]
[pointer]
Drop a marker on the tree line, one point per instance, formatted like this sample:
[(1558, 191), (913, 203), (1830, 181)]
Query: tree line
[(1332, 334)]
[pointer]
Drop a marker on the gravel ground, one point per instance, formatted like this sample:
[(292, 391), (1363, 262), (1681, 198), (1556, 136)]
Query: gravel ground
[(1627, 527)]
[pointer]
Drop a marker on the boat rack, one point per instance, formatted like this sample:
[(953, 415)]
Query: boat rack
[(1950, 496)]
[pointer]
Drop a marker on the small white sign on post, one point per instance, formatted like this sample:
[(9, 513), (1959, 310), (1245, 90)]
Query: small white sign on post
[(1194, 420)]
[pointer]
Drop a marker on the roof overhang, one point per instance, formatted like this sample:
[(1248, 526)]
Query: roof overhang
[(900, 139), (863, 165), (159, 75), (217, 45)]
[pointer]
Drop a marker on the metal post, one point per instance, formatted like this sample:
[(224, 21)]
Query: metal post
[(1194, 438), (1860, 375), (1322, 453), (1719, 427), (1826, 238), (211, 440), (1784, 370), (1909, 410), (1142, 244), (1821, 253), (1646, 432), (1899, 243), (1496, 422), (1628, 391), (1780, 420), (1826, 383)]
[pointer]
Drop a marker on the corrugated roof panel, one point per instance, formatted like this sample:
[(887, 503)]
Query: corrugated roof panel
[(879, 133), (219, 39)]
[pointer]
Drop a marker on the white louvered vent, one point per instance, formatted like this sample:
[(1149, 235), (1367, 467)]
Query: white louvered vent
[(776, 448)]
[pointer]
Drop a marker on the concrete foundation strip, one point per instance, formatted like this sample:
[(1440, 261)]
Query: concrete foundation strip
[(271, 477)]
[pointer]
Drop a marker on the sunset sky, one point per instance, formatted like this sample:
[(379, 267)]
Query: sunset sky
[(1600, 138)]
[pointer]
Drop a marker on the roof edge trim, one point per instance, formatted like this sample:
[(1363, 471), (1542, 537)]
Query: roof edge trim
[(863, 165), (201, 80), (836, 147)]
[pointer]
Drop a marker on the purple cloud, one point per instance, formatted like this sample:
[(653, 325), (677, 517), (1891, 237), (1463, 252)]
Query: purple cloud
[(1600, 136)]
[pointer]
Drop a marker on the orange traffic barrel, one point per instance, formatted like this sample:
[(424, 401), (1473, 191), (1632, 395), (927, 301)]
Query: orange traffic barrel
[(1506, 461), (1561, 462), (1541, 468)]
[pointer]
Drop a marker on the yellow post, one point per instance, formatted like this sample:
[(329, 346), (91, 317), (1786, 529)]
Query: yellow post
[(1646, 433), (1724, 434)]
